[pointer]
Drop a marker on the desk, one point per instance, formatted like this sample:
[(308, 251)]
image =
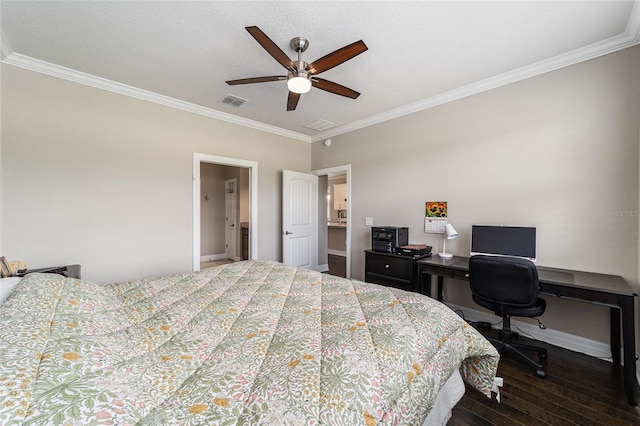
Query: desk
[(601, 289), (393, 270)]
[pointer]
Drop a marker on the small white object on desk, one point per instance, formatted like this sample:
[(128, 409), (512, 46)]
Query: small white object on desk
[(449, 234), (6, 286)]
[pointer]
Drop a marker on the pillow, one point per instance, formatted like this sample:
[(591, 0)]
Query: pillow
[(6, 285)]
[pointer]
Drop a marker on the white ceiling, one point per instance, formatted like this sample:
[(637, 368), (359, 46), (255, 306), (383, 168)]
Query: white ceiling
[(420, 54)]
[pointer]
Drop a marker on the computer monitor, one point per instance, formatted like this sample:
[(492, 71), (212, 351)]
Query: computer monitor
[(515, 241)]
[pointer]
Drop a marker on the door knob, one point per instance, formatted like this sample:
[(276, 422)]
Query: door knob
[(287, 233)]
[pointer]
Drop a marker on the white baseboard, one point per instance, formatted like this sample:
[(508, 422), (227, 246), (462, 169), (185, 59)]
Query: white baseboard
[(210, 257), (557, 338), (554, 337), (323, 268)]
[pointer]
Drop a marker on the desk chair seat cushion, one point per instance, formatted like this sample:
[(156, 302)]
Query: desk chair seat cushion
[(535, 310), (511, 282)]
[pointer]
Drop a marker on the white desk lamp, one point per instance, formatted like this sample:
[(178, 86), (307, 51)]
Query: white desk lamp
[(449, 234)]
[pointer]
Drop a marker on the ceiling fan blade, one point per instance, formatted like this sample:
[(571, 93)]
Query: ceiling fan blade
[(256, 80), (336, 58), (271, 48), (292, 101), (332, 87)]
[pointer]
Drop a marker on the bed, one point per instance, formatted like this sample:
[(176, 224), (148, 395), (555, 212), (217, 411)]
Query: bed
[(247, 343)]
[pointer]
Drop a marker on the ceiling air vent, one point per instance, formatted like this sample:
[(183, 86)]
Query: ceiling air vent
[(321, 125), (233, 100)]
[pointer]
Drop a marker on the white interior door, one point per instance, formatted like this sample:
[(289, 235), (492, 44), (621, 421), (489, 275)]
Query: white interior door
[(230, 216), (300, 219)]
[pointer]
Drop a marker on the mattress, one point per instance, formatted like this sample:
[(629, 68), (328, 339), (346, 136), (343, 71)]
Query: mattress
[(253, 342)]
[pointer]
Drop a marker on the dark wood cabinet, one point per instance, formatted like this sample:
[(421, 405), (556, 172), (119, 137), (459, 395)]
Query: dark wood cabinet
[(392, 270), (244, 227)]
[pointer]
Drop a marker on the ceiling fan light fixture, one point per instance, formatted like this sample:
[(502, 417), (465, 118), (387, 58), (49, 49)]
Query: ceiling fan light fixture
[(299, 73), (299, 82)]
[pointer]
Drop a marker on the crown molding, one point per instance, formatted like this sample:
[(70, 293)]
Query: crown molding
[(630, 38), (53, 70), (5, 47), (633, 24)]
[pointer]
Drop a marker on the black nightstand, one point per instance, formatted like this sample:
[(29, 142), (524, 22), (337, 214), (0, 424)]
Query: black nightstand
[(70, 271), (393, 270)]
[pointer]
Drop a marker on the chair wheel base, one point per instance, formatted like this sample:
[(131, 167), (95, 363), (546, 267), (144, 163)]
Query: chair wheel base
[(542, 355), (541, 373)]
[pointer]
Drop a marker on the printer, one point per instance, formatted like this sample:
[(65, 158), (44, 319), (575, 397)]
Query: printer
[(388, 238)]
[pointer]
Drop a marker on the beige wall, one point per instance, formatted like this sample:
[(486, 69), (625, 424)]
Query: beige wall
[(558, 152), (105, 180), (212, 209), (243, 184)]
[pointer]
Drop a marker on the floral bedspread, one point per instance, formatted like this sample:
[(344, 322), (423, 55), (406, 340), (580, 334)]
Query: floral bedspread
[(248, 343)]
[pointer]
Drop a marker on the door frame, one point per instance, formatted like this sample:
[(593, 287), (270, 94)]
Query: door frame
[(253, 201), (346, 169)]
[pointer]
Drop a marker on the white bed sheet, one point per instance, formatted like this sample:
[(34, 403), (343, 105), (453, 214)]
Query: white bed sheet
[(449, 395)]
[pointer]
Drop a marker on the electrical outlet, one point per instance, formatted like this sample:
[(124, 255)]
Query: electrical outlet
[(368, 221)]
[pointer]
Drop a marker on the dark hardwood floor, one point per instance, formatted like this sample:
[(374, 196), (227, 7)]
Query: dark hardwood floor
[(578, 389)]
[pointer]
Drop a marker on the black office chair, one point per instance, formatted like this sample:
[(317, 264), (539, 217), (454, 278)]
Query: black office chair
[(509, 287)]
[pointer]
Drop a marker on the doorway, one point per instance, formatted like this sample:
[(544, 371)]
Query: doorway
[(334, 233), (212, 201)]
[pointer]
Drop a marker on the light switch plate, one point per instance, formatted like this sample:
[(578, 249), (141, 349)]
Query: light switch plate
[(368, 221)]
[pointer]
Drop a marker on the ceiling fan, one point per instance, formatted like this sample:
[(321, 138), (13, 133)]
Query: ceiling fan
[(301, 75)]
